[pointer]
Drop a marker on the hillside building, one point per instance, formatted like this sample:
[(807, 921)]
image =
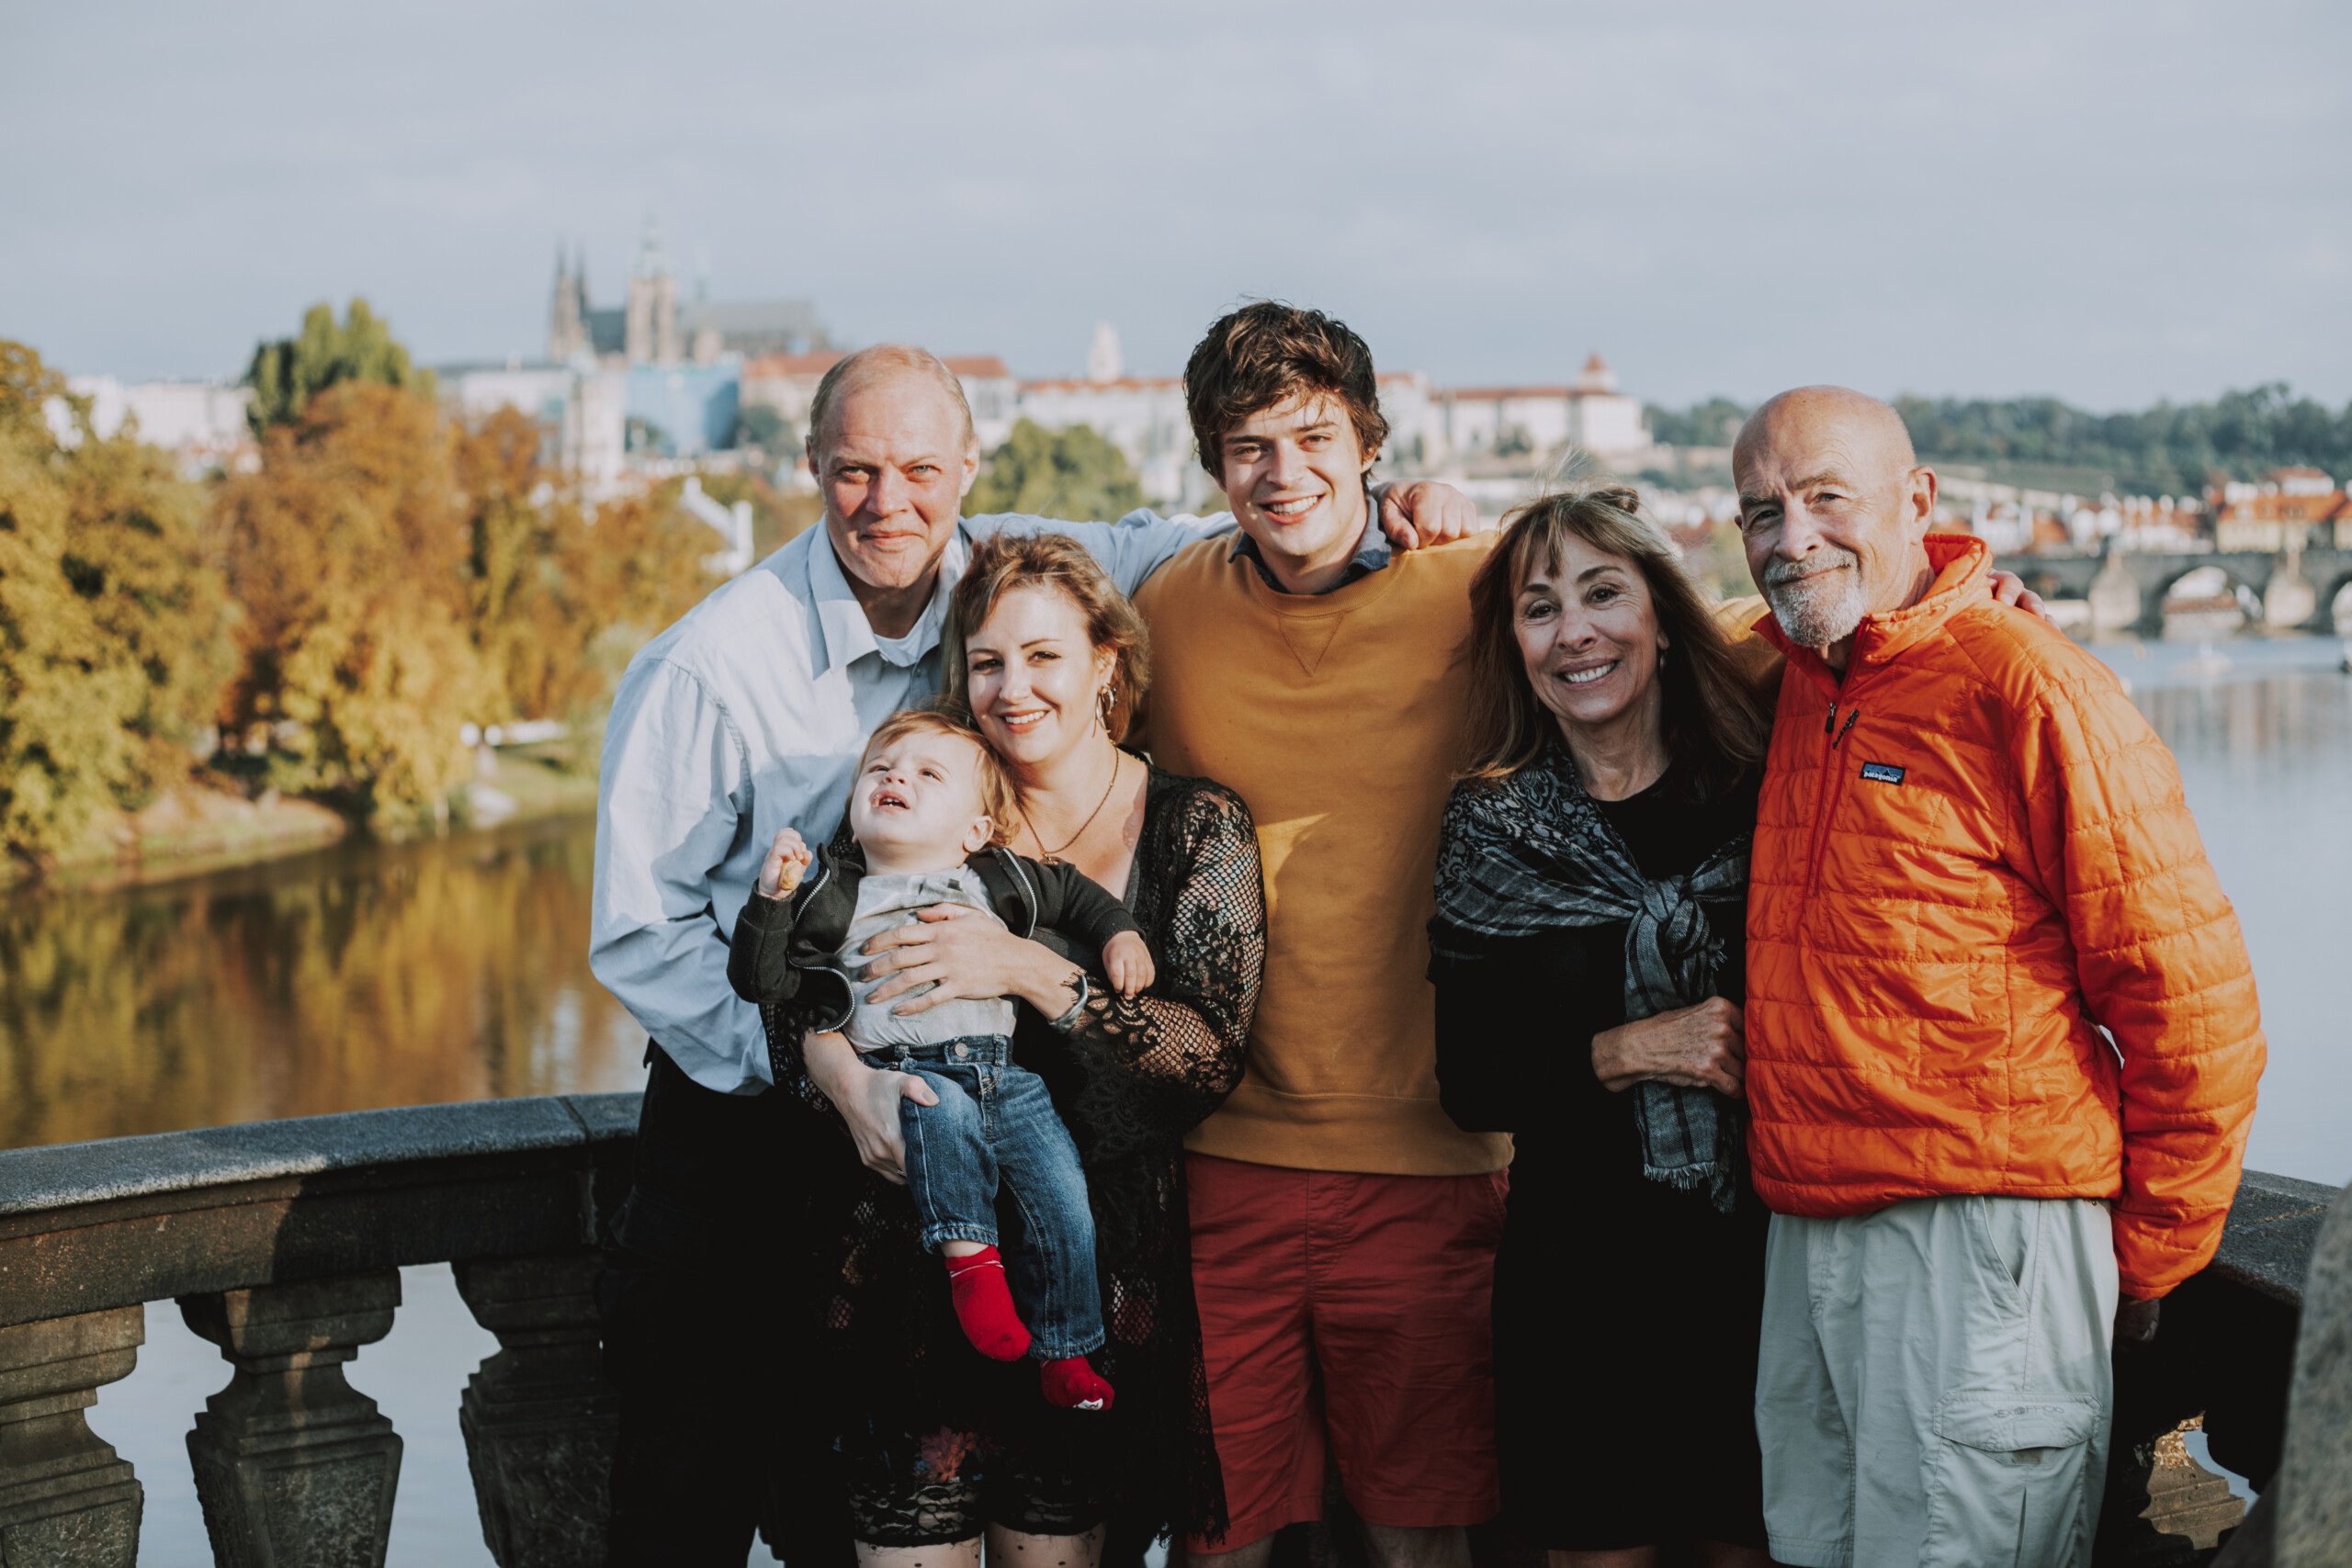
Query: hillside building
[(2285, 508)]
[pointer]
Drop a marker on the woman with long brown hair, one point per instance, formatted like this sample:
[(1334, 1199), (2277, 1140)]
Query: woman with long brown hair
[(1591, 894)]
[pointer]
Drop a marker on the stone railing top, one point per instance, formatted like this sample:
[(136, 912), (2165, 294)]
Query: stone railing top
[(2274, 1223), (60, 1175), (85, 1227)]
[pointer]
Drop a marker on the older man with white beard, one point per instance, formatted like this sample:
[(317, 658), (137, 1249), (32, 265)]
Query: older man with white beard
[(2002, 1034)]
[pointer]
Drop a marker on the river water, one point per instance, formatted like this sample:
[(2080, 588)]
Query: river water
[(369, 974)]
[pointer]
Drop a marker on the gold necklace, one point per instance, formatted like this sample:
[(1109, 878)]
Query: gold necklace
[(1053, 857)]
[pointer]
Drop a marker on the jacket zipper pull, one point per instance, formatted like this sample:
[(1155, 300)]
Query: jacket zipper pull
[(1829, 725), (1852, 715)]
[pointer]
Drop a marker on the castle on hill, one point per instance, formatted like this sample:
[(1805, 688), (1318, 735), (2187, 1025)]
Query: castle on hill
[(653, 326)]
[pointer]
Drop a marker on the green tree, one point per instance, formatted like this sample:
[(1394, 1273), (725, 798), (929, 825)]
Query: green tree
[(1072, 473), (1712, 423), (757, 424), (2170, 447), (287, 373), (556, 606), (113, 631)]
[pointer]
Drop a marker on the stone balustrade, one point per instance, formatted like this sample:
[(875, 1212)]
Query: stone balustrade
[(281, 1243)]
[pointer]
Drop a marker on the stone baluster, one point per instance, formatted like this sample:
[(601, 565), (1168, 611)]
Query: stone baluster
[(293, 1465), (540, 1422), (2315, 1484), (65, 1500)]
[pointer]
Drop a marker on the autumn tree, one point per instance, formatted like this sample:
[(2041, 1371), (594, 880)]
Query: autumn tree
[(559, 598), (287, 373), (348, 550), (113, 631), (1072, 473)]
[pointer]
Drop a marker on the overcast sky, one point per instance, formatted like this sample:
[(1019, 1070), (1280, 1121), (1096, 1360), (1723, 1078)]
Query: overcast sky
[(2111, 202)]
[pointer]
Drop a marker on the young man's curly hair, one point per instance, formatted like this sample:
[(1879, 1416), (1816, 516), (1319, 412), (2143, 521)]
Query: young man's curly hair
[(1263, 355)]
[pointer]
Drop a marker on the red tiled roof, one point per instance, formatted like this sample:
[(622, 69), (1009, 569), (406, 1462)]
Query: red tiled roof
[(1123, 384), (980, 366), (1498, 393), (780, 367)]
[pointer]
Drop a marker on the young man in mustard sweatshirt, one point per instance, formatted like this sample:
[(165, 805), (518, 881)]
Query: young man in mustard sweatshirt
[(1340, 1222)]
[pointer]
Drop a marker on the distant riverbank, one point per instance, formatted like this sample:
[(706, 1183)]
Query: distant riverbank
[(208, 824)]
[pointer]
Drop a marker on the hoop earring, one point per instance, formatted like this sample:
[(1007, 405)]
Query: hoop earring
[(1103, 709)]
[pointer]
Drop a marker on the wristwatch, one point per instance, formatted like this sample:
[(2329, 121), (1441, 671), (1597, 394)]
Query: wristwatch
[(1069, 1020)]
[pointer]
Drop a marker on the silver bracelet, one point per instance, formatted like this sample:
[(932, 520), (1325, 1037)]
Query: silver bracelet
[(1069, 1020)]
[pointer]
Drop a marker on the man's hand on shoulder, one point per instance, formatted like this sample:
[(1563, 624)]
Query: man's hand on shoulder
[(2009, 589), (1417, 513)]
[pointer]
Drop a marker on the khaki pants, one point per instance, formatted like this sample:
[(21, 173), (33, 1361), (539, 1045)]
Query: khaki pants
[(1934, 1387)]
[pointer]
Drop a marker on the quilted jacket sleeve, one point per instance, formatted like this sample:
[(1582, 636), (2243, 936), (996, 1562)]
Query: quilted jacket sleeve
[(2162, 963)]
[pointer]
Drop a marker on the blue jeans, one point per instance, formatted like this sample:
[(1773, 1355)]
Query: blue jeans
[(994, 1125)]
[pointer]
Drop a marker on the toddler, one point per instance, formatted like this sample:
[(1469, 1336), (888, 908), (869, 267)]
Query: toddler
[(930, 811)]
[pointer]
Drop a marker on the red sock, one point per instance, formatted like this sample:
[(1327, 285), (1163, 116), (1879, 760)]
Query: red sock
[(1074, 1385), (984, 1306)]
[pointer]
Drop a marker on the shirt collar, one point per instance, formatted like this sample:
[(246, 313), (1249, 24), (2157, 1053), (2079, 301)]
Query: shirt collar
[(1373, 551), (848, 635)]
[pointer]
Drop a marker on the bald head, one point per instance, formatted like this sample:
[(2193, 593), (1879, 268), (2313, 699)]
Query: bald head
[(919, 370), (1833, 509), (1858, 423)]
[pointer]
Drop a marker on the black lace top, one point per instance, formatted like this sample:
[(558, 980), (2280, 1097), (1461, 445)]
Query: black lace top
[(1129, 1081)]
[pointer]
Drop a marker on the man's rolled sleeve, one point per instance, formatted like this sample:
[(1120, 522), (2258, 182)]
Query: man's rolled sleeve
[(2162, 964), (672, 801)]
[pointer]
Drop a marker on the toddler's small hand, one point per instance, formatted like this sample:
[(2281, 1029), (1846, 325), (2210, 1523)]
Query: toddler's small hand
[(787, 863), (1126, 960)]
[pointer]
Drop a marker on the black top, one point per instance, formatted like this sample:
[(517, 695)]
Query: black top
[(788, 950), (1129, 1081), (1629, 1304), (1536, 1002)]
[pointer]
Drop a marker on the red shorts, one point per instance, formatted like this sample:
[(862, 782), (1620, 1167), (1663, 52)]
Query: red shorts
[(1352, 1310)]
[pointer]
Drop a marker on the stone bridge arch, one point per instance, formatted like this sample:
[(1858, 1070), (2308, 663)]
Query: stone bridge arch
[(2209, 579), (2335, 602)]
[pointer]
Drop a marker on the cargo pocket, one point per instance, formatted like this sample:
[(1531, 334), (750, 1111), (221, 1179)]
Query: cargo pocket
[(2005, 1481)]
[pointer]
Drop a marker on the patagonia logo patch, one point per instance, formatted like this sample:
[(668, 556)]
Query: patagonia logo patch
[(1882, 772)]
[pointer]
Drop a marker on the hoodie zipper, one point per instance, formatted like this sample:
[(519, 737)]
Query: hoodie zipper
[(1833, 780)]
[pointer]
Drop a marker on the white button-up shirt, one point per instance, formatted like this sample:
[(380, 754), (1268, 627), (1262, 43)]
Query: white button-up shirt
[(748, 715)]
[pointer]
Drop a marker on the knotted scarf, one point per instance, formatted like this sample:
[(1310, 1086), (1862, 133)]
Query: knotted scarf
[(1531, 853)]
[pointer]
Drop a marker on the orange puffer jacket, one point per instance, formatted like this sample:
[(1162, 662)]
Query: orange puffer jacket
[(1970, 856)]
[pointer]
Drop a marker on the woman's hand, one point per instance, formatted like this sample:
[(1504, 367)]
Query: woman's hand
[(868, 1102), (1699, 1048), (962, 955)]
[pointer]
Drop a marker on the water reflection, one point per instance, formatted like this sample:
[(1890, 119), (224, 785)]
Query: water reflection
[(2266, 758), (372, 974), (365, 975)]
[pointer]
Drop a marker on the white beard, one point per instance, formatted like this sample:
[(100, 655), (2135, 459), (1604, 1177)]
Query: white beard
[(1819, 609)]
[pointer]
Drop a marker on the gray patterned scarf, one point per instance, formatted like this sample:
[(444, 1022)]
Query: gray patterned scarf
[(1532, 853)]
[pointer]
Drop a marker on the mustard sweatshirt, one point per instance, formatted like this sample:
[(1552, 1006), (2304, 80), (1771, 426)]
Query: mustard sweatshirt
[(1340, 718)]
